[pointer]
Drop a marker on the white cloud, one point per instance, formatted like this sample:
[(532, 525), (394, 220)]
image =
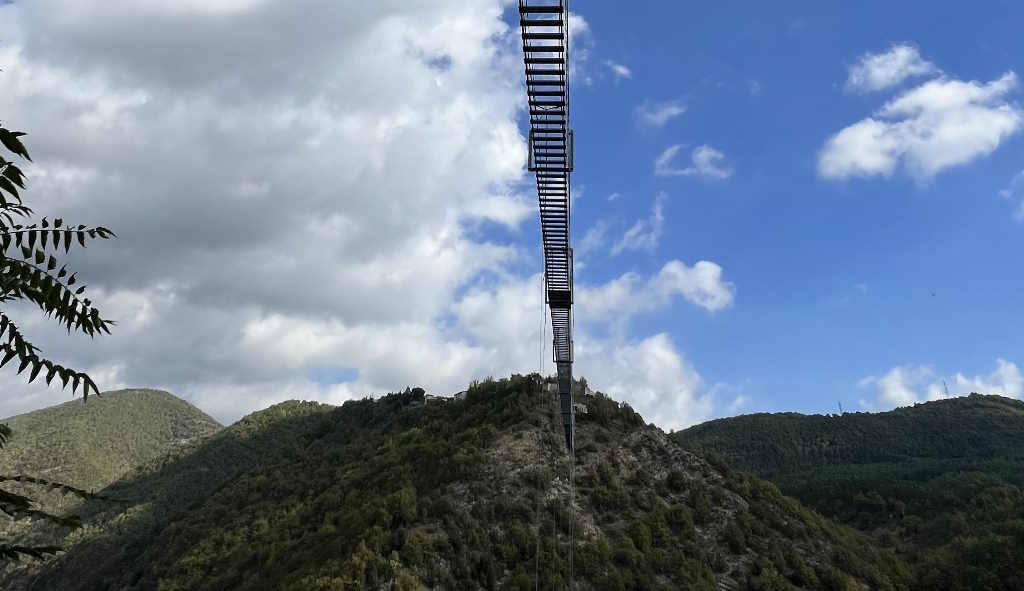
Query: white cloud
[(754, 87), (630, 294), (258, 197), (578, 28), (911, 384), (650, 373), (581, 40), (1015, 193), (706, 162), (276, 222), (653, 377), (1005, 379), (593, 239), (738, 403), (940, 124), (614, 196), (645, 233), (619, 71), (658, 113), (878, 71)]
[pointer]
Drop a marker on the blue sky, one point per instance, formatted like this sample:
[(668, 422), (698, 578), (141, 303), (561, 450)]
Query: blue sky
[(342, 209), (836, 279)]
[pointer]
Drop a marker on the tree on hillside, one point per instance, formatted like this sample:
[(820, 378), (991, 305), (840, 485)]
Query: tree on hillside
[(30, 271)]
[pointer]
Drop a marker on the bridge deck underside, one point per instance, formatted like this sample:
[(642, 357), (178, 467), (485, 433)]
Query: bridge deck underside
[(546, 57)]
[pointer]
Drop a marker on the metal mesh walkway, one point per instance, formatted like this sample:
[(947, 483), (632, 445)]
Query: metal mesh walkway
[(545, 31)]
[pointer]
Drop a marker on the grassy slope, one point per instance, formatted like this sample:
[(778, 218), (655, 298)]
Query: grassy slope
[(940, 482), (307, 496), (89, 445)]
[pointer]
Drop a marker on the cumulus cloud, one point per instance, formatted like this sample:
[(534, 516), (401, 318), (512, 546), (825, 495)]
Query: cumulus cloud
[(630, 294), (256, 190), (878, 71), (706, 163), (285, 213), (645, 233), (658, 113), (938, 125), (910, 384), (618, 70), (650, 372), (654, 377)]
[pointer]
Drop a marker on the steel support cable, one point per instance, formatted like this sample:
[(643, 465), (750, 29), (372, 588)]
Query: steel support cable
[(545, 36), (572, 513), (540, 413)]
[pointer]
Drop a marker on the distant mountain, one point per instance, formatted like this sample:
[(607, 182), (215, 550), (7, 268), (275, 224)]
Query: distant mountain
[(942, 483), (91, 444), (404, 492)]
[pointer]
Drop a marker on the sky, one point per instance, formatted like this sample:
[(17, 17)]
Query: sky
[(776, 207)]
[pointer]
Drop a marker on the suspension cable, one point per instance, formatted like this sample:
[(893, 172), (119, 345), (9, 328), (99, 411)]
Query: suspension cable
[(540, 413), (572, 512)]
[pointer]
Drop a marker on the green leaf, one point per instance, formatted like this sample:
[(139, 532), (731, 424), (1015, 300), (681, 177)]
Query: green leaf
[(7, 185), (10, 141), (36, 366), (14, 173)]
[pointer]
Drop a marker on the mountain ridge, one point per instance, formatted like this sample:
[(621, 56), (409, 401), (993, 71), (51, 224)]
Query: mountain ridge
[(396, 492), (941, 483)]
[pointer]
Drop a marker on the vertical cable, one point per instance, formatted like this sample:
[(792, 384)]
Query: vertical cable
[(540, 413), (572, 512)]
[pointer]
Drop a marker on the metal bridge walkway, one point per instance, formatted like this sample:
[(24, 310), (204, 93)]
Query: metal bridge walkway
[(544, 25)]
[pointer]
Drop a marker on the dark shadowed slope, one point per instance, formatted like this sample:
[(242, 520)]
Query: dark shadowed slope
[(446, 495), (940, 482)]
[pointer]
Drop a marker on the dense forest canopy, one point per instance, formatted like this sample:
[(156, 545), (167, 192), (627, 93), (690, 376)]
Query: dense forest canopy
[(940, 483)]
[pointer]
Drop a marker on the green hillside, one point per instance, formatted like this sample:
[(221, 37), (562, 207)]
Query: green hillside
[(942, 483), (89, 445), (395, 494)]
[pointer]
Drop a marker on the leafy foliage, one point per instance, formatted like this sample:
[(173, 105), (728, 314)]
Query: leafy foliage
[(941, 483), (29, 271)]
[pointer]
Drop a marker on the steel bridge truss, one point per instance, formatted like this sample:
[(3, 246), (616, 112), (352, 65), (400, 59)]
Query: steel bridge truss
[(544, 25)]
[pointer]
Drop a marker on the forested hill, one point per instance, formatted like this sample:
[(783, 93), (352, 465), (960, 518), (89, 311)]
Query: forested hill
[(91, 444), (973, 426), (404, 492), (941, 483)]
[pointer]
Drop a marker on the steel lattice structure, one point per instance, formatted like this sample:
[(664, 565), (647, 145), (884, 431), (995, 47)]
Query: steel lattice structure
[(545, 31)]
